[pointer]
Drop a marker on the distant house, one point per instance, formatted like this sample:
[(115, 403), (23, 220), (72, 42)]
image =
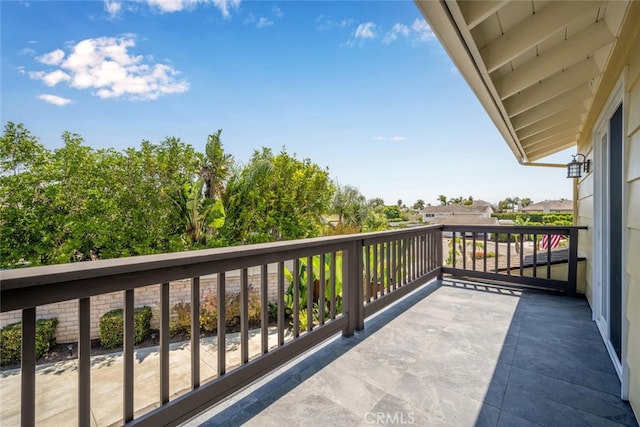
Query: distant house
[(550, 206), (476, 210), (465, 220)]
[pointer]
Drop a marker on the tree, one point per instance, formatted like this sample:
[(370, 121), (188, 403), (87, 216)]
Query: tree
[(201, 216), (276, 197), (525, 202), (350, 206), (399, 203), (443, 200), (376, 202), (216, 168), (419, 204)]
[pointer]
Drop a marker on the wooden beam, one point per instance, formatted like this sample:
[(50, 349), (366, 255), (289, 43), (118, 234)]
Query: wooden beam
[(575, 96), (551, 87), (548, 135), (531, 31), (562, 145), (552, 143), (570, 116), (475, 12), (563, 55)]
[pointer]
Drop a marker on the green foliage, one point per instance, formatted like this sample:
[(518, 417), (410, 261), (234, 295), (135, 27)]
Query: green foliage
[(394, 213), (76, 203), (112, 326), (304, 293), (209, 310), (276, 197), (201, 216), (182, 322), (11, 340)]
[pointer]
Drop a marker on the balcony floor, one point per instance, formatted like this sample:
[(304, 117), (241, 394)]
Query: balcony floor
[(450, 354)]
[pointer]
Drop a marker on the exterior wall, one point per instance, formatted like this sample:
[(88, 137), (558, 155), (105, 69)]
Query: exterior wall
[(632, 119), (585, 200), (180, 291)]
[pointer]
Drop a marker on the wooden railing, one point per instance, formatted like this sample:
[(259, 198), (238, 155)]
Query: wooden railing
[(540, 257), (354, 275), (345, 278)]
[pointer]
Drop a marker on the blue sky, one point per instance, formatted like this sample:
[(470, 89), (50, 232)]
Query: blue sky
[(363, 88)]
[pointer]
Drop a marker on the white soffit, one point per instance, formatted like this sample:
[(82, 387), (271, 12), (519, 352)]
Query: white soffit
[(535, 65)]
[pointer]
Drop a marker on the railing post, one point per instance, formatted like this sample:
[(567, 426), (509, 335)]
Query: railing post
[(352, 288), (439, 244), (572, 278)]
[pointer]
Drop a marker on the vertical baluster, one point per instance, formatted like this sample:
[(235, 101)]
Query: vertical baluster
[(387, 286), (535, 258), (322, 303), (509, 254), (333, 285), (497, 246), (486, 251), (367, 273), (454, 248), (281, 303), (28, 369), (264, 305), (128, 343), (244, 315), (296, 298), (375, 271), (84, 362), (473, 251), (222, 323), (520, 242), (464, 250), (549, 261), (310, 293), (164, 343), (195, 333)]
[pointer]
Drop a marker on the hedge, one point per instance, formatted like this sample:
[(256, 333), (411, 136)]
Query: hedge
[(112, 326), (11, 340)]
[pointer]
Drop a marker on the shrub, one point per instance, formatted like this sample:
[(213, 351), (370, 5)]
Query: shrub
[(11, 340), (183, 319), (112, 326)]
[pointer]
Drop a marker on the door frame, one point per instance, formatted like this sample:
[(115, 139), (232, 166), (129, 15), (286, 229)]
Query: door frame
[(601, 248)]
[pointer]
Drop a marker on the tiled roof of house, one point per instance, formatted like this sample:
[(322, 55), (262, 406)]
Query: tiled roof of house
[(474, 209), (464, 220), (550, 206)]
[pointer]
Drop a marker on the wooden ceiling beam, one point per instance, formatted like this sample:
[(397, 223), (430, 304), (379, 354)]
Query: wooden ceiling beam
[(551, 87), (475, 12), (568, 117), (532, 31), (579, 95), (563, 55)]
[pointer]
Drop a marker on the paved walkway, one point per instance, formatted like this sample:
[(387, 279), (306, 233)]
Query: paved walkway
[(455, 355), (57, 383)]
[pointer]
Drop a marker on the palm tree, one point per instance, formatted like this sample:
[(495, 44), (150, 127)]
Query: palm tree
[(216, 168)]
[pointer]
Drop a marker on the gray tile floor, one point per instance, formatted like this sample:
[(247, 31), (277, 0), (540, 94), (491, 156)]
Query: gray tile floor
[(450, 354)]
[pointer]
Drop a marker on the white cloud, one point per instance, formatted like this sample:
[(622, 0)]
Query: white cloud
[(264, 22), (105, 66), (27, 51), (399, 138), (225, 5), (380, 138), (55, 100), (52, 58), (422, 30), (113, 8), (277, 11), (326, 23), (20, 69), (365, 31), (397, 30)]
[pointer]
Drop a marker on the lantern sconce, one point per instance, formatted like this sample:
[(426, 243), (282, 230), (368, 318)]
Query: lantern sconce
[(575, 168)]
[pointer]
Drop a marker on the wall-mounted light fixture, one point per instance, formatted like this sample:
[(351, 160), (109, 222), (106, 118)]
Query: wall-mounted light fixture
[(575, 168)]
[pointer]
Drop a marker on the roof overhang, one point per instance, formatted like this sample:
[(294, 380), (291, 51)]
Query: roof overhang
[(534, 65)]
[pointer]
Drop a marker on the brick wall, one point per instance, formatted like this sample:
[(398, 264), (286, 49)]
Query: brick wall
[(180, 291)]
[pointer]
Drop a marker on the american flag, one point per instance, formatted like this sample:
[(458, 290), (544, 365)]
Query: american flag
[(555, 240)]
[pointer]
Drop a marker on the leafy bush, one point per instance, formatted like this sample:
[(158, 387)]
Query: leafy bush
[(183, 321), (112, 326), (11, 340), (209, 310)]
